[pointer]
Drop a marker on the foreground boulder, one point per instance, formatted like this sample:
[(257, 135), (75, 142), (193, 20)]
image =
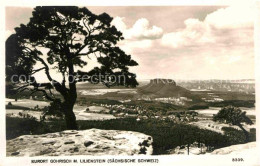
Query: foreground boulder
[(84, 142), (241, 149)]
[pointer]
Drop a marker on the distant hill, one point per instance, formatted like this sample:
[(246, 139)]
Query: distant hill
[(164, 88), (243, 85), (87, 85)]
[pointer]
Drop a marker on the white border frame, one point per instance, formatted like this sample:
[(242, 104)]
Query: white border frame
[(212, 160)]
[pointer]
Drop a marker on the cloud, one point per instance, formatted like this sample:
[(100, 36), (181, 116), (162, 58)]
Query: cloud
[(139, 31), (220, 46), (195, 32), (232, 17), (118, 22), (225, 26), (130, 46)]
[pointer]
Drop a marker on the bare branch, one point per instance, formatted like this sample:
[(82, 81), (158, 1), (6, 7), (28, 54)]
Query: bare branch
[(22, 87), (62, 89), (51, 93), (46, 66), (86, 26), (37, 70), (44, 92), (89, 52)]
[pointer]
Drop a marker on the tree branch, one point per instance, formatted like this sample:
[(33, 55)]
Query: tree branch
[(61, 89), (44, 92), (22, 87), (37, 70)]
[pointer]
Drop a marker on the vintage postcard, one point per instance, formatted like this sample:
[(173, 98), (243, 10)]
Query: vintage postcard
[(134, 83)]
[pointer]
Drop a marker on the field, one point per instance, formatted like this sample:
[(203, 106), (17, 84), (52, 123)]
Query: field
[(80, 112), (28, 103)]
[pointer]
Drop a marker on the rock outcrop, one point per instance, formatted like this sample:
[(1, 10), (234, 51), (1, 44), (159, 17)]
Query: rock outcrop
[(246, 149), (84, 142), (164, 88), (163, 81)]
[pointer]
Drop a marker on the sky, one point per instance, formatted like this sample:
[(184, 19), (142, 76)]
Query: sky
[(177, 42)]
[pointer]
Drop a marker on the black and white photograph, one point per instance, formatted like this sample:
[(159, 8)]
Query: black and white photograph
[(135, 81)]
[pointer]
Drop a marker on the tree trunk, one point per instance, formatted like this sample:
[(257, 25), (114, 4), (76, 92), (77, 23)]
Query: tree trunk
[(245, 132), (71, 98), (188, 148), (69, 115)]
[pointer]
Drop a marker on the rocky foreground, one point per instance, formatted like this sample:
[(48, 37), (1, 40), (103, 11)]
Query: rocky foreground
[(84, 142), (241, 149)]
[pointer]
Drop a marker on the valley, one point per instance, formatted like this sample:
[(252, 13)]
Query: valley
[(161, 102)]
